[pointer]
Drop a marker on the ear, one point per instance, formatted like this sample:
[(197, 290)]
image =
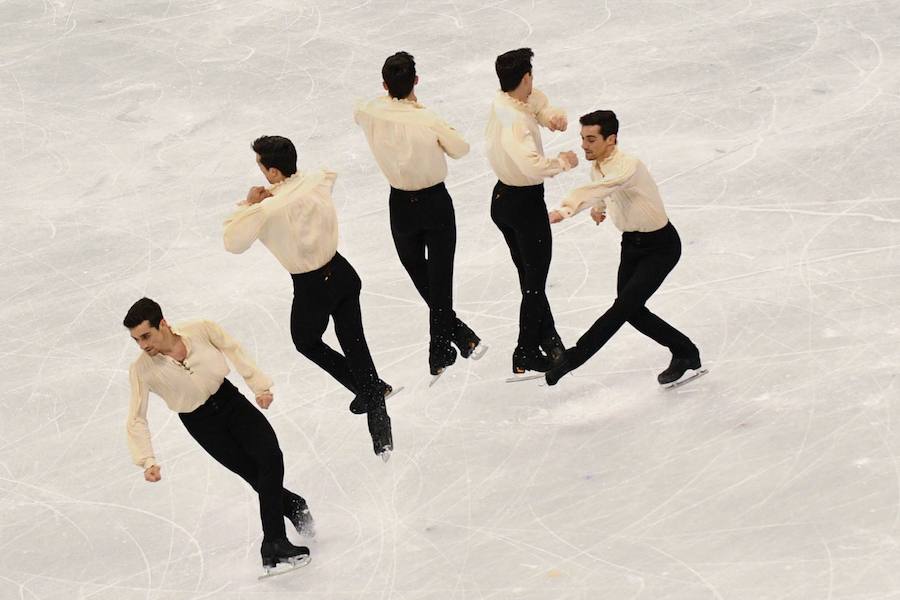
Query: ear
[(614, 137), (416, 80), (384, 85), (162, 323)]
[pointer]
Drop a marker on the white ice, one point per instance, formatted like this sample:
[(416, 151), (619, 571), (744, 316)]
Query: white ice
[(772, 129)]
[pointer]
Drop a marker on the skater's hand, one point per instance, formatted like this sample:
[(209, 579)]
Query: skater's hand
[(257, 194), (555, 216), (598, 215), (558, 123), (569, 157), (152, 474), (264, 399)]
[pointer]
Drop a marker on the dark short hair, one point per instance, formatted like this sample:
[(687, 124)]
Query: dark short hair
[(512, 66), (278, 152), (399, 73), (144, 309), (605, 119)]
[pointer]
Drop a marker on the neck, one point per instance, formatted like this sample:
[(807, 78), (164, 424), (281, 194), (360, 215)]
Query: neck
[(520, 94), (170, 340), (607, 154)]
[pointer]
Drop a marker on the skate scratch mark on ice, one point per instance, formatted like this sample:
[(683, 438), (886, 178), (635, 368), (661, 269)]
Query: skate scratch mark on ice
[(47, 506), (312, 447), (585, 552), (759, 473), (671, 497), (706, 583), (22, 585), (830, 562), (791, 211)]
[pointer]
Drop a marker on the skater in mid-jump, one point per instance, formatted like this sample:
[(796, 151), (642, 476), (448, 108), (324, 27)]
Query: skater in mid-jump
[(623, 187), (518, 210), (296, 220), (410, 144), (185, 366)]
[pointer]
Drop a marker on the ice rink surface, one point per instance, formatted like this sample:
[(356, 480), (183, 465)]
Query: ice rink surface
[(771, 127)]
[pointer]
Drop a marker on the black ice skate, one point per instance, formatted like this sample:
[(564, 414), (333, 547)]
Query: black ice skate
[(440, 356), (553, 348), (380, 430), (360, 404), (524, 359), (468, 343), (681, 370), (282, 552), (298, 514), (562, 367)]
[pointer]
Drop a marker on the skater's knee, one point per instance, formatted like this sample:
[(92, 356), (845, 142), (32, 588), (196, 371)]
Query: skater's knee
[(305, 344)]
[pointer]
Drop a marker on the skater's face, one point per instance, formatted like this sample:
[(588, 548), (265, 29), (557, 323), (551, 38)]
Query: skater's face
[(148, 338), (595, 146)]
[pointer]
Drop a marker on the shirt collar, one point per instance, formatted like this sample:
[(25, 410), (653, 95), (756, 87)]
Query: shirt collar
[(406, 101), (515, 102), (184, 337), (295, 177)]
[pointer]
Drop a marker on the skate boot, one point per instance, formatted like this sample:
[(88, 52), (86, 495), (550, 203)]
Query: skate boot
[(360, 403), (560, 368), (553, 348), (380, 429), (440, 356), (524, 359), (465, 339), (298, 514), (282, 551), (677, 369)]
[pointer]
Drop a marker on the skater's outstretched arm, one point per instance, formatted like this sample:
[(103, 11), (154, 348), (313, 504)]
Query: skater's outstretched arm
[(595, 193), (136, 427), (518, 143), (259, 382)]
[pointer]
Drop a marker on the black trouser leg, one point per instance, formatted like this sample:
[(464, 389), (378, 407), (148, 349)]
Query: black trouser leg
[(344, 287), (423, 225), (646, 260), (241, 439), (521, 216), (647, 322), (331, 291)]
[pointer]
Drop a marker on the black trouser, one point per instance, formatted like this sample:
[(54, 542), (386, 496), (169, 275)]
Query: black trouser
[(333, 292), (240, 438), (646, 259), (521, 216), (423, 225)]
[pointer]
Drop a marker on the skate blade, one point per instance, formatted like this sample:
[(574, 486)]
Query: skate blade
[(385, 454), (479, 351), (524, 377), (291, 564), (686, 378), (393, 392), (434, 378)]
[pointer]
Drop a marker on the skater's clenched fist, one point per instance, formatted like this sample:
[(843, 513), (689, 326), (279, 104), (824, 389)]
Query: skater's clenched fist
[(257, 194), (558, 123), (152, 474), (555, 216), (569, 157), (264, 399), (598, 215)]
